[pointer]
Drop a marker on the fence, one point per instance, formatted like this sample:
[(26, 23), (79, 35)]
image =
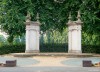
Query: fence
[(54, 41)]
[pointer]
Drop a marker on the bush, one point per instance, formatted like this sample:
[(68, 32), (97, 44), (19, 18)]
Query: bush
[(6, 49), (12, 49), (91, 49)]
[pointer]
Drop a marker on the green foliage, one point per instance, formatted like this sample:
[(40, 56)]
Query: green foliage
[(90, 39), (53, 14), (90, 16), (54, 36), (91, 49), (53, 41), (6, 49), (16, 40), (10, 39), (11, 19), (2, 40), (19, 40)]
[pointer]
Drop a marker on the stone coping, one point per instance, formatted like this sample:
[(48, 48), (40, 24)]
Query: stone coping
[(70, 55)]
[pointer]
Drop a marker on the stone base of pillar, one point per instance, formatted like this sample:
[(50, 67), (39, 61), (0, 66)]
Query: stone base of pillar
[(32, 51), (74, 51)]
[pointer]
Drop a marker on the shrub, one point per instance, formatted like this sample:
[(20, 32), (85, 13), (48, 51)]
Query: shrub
[(6, 49), (12, 49), (90, 49)]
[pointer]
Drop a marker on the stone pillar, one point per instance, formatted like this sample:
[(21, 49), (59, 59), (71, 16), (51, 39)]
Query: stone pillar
[(74, 35), (32, 35)]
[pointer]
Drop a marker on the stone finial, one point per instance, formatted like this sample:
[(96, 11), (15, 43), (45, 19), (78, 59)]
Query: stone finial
[(69, 18), (28, 17), (78, 16), (37, 17)]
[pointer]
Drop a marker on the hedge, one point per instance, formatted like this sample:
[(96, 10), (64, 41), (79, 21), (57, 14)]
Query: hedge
[(6, 49), (90, 49), (12, 49)]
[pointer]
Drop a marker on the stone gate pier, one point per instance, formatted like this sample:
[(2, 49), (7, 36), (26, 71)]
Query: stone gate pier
[(32, 35), (74, 35)]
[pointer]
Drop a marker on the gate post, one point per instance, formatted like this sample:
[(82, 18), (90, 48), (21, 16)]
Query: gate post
[(32, 35), (74, 35)]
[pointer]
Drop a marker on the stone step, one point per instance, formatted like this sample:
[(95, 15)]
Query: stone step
[(52, 54)]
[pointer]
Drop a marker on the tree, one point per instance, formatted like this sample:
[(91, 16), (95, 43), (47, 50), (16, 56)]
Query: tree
[(2, 40), (53, 14)]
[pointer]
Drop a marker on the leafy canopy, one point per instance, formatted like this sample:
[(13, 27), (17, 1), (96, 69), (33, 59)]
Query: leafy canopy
[(53, 14)]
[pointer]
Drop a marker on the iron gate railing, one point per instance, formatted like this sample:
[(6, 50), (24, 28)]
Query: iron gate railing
[(54, 41)]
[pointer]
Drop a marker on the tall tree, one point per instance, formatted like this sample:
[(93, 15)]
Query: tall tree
[(53, 14)]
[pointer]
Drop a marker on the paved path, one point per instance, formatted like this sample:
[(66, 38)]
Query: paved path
[(49, 64), (49, 61), (50, 69)]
